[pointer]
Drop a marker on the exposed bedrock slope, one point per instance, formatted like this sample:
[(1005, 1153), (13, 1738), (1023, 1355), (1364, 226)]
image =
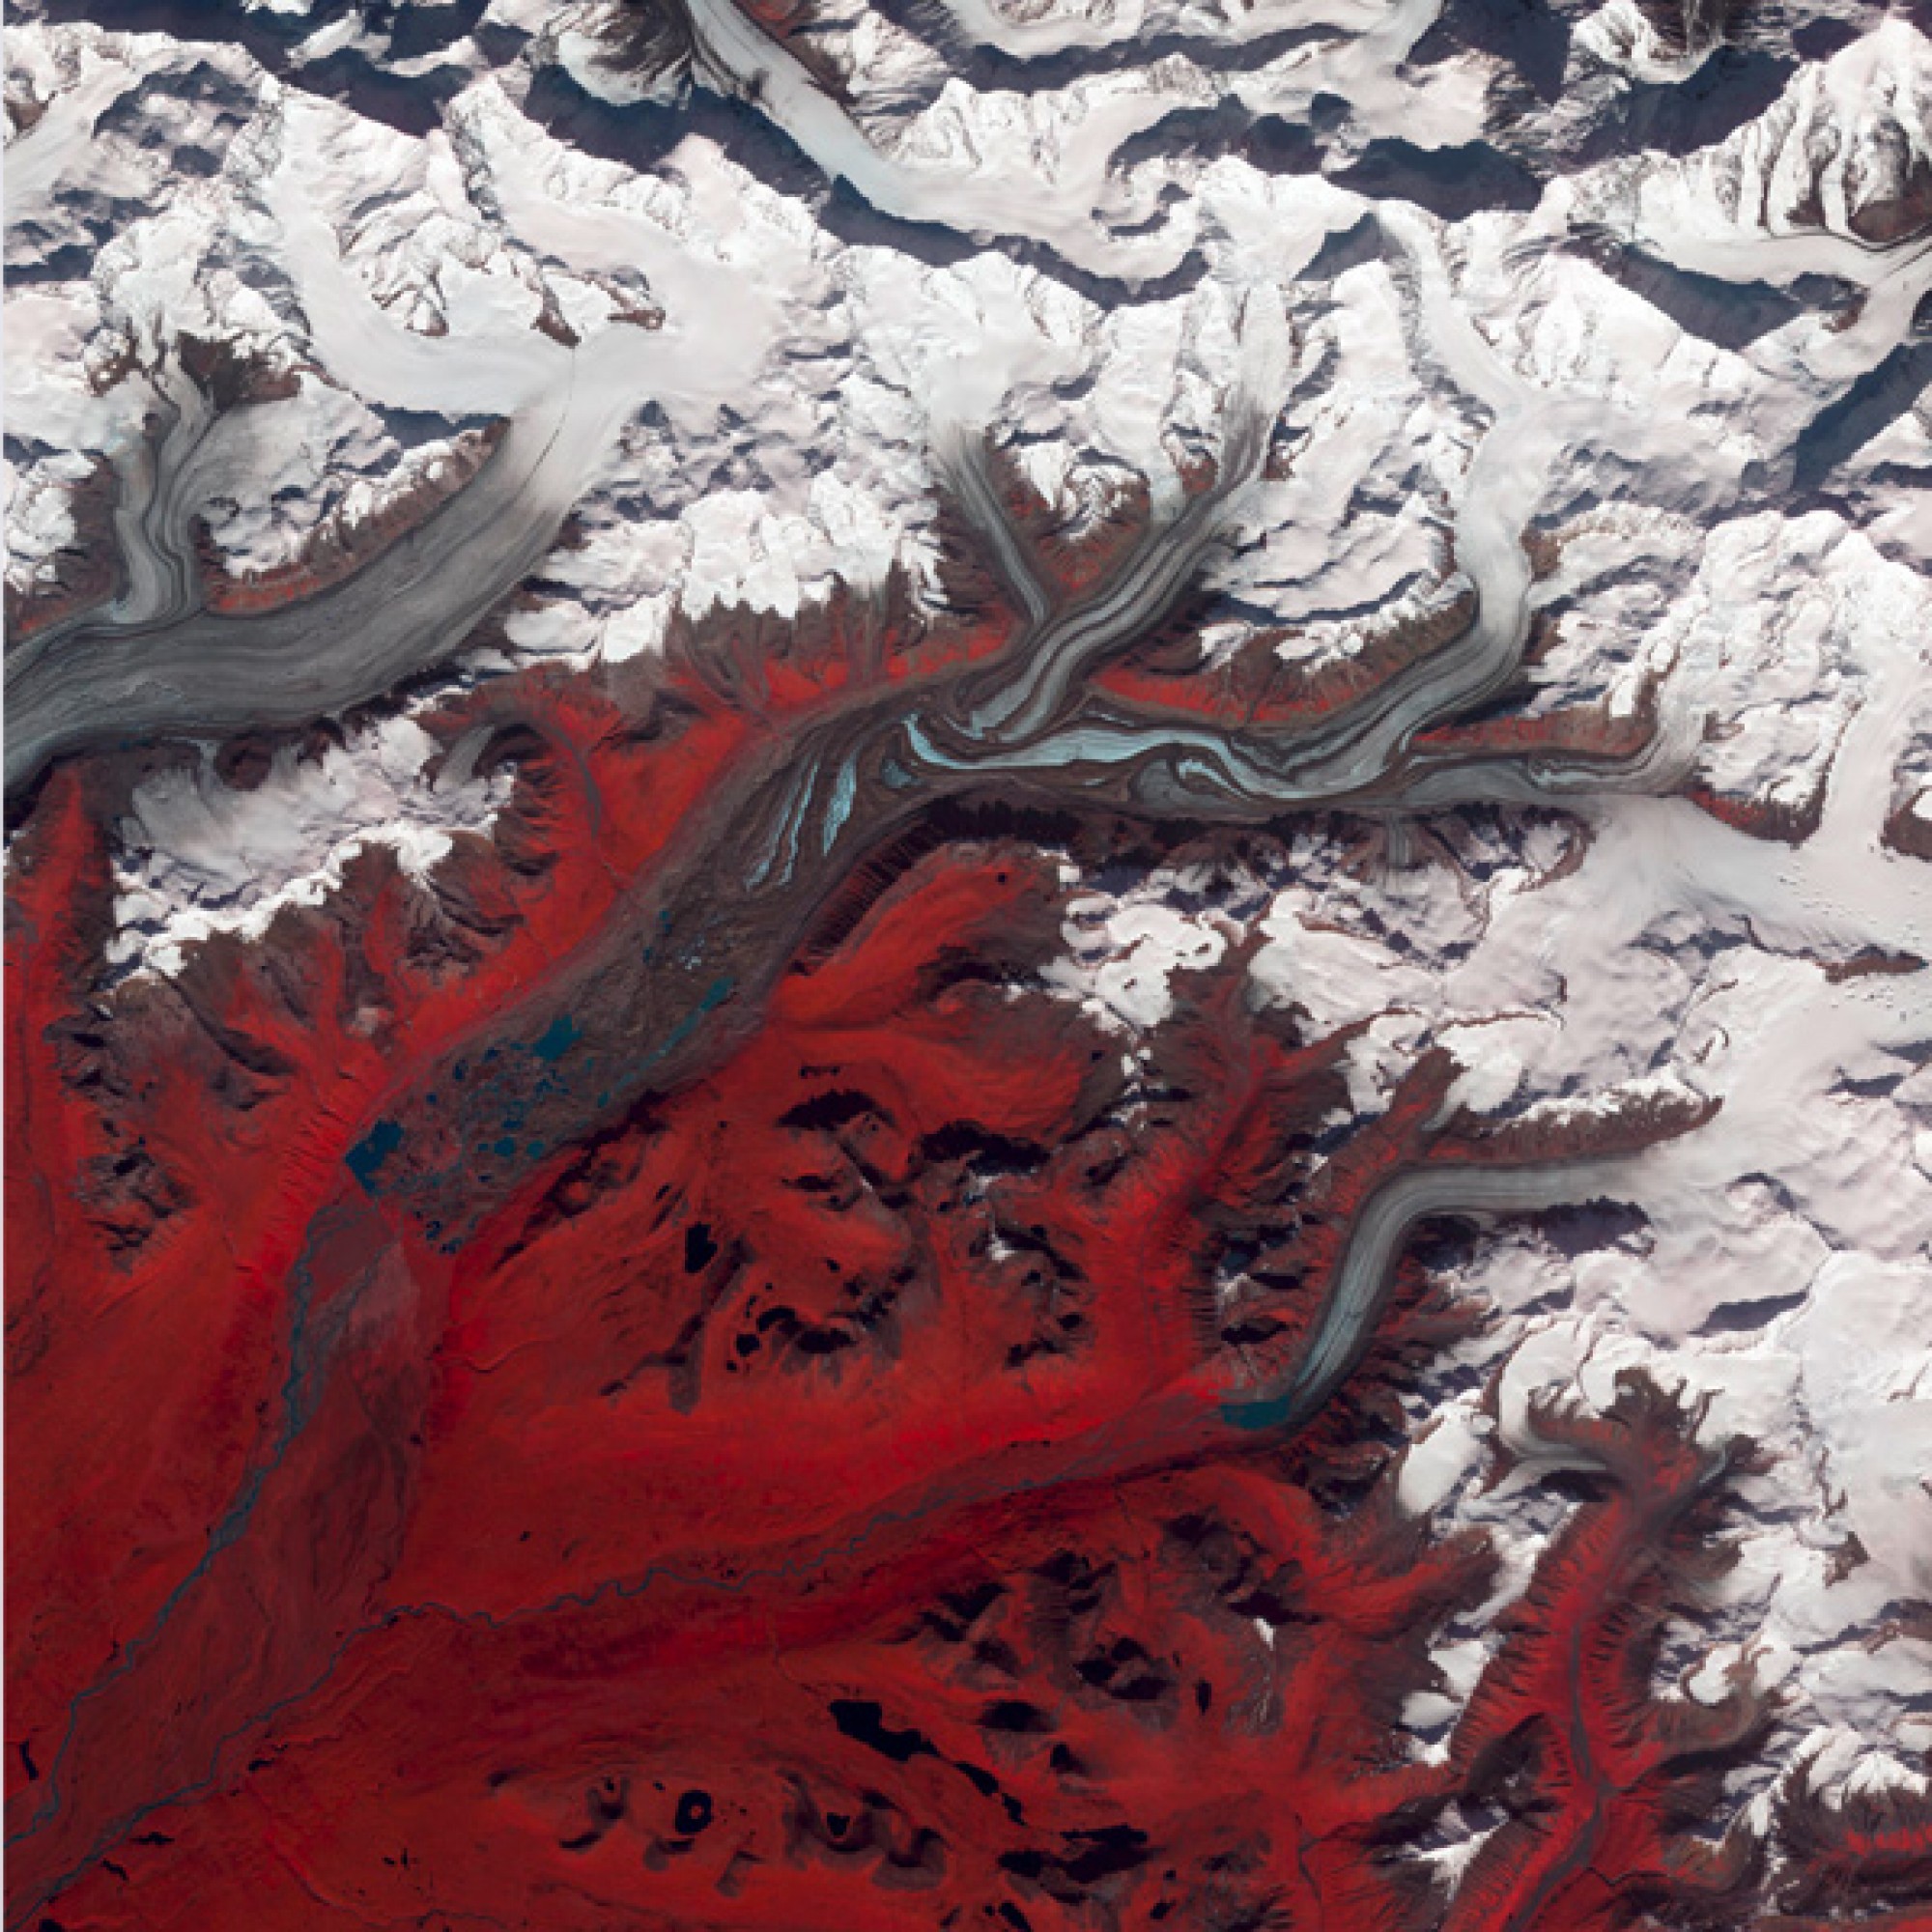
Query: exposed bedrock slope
[(1044, 1084)]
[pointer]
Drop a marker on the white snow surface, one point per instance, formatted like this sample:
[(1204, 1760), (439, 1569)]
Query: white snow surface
[(197, 856), (1042, 259)]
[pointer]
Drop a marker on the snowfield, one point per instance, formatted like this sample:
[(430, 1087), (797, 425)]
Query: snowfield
[(1640, 360)]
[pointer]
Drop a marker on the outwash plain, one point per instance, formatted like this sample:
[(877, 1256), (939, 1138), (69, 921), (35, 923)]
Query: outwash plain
[(967, 965)]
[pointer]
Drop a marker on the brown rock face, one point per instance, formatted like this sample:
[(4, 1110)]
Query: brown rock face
[(84, 574), (341, 546)]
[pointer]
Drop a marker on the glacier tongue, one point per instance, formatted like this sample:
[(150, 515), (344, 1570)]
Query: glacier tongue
[(1629, 335)]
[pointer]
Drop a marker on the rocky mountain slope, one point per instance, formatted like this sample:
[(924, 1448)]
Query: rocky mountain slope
[(478, 473)]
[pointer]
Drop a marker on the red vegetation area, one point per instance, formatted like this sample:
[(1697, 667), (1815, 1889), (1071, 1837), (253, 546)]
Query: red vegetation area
[(811, 1500)]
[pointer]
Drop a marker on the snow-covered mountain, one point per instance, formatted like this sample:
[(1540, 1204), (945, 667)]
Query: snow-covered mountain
[(1613, 325)]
